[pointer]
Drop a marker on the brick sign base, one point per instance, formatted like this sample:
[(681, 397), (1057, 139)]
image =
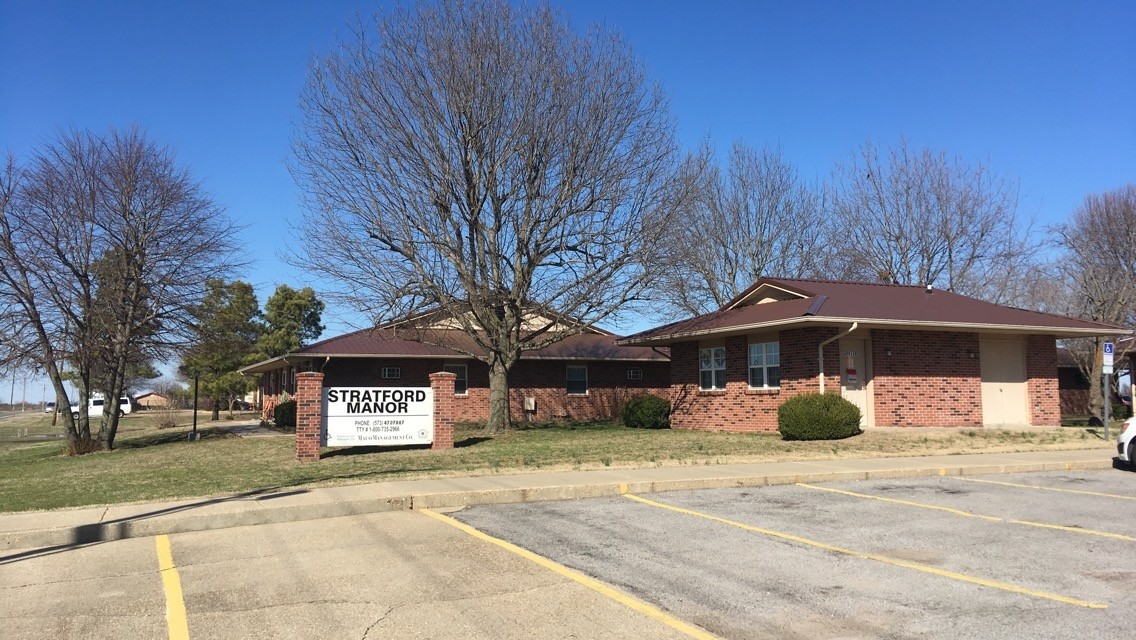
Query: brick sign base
[(309, 403)]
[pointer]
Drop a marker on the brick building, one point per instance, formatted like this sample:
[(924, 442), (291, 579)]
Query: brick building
[(907, 356), (1073, 384), (583, 377)]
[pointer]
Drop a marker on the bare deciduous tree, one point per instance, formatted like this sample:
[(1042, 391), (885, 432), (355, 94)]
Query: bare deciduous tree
[(758, 218), (1099, 262), (485, 160), (105, 244), (911, 216)]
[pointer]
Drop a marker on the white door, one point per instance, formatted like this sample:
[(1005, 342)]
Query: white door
[(854, 376), (1003, 369)]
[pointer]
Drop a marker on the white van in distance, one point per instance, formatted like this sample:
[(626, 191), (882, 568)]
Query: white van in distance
[(95, 407)]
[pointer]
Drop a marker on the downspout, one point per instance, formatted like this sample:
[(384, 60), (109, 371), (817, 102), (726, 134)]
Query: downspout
[(820, 350)]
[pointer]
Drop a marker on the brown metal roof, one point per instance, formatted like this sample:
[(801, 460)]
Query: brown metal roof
[(829, 302), (386, 343)]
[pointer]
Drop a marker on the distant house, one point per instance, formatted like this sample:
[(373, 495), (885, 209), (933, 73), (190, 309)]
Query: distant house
[(151, 400), (907, 356), (584, 376)]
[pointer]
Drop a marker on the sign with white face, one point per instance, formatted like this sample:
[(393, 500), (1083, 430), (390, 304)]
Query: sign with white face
[(377, 416), (1108, 354)]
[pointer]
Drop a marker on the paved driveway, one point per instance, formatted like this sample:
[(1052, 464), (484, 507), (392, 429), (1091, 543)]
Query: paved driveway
[(392, 575), (1017, 556), (1025, 556)]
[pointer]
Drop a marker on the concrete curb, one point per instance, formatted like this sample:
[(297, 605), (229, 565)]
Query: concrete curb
[(165, 525)]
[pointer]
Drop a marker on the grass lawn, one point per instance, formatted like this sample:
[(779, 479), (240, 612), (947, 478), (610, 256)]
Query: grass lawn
[(160, 464)]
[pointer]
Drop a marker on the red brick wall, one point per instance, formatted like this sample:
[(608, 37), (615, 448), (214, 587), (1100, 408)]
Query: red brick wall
[(309, 405), (442, 383), (1073, 387), (544, 380), (929, 380), (737, 407), (1041, 375)]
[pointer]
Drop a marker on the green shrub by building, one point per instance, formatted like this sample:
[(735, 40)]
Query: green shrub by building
[(285, 415), (646, 412), (814, 416)]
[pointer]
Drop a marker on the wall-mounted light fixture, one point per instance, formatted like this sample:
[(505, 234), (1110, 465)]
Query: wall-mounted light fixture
[(889, 353), (972, 354)]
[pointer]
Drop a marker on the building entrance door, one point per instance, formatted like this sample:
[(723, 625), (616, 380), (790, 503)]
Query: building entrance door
[(1003, 370), (854, 375)]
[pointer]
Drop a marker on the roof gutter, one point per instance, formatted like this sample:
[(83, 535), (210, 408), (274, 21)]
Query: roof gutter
[(820, 350)]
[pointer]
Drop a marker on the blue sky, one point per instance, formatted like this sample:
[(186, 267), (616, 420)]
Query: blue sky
[(1041, 91)]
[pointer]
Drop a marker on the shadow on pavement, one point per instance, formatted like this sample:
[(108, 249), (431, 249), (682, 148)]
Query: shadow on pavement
[(118, 529)]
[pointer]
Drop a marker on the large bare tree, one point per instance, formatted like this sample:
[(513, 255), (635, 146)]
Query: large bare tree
[(105, 243), (1099, 265), (486, 160), (915, 216), (757, 218)]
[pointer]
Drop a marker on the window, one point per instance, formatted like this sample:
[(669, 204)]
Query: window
[(577, 380), (392, 373), (461, 385), (765, 365), (712, 368), (634, 374)]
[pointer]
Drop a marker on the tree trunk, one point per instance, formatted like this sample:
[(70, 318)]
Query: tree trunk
[(216, 410), (498, 397), (1096, 375)]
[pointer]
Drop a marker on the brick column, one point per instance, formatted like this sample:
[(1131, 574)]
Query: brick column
[(443, 385), (309, 401)]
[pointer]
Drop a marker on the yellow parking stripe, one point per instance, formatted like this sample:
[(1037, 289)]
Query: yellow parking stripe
[(1034, 486), (957, 512), (878, 558), (967, 514), (175, 602), (595, 585)]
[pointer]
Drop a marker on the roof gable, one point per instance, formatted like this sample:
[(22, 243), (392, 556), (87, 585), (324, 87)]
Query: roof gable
[(765, 291)]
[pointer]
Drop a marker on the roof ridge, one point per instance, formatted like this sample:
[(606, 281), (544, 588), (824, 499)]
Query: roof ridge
[(338, 337), (860, 282)]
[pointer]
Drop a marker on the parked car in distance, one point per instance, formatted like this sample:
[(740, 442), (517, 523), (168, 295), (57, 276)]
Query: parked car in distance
[(49, 407), (95, 407), (1126, 442)]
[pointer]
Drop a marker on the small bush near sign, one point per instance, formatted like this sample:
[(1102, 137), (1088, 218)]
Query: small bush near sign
[(814, 416), (646, 412), (285, 415)]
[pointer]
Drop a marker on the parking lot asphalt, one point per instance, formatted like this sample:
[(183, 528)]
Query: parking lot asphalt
[(1039, 555), (1032, 555)]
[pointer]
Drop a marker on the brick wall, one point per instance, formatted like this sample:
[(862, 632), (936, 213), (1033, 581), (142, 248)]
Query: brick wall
[(442, 384), (544, 380), (309, 405), (1073, 387), (1041, 376), (929, 380), (737, 407)]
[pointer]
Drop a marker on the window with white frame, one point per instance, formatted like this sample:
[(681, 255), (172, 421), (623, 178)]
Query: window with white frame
[(577, 377), (765, 365), (634, 374), (392, 373), (712, 368), (461, 385)]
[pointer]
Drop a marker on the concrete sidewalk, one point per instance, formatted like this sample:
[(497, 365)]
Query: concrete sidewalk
[(80, 526)]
